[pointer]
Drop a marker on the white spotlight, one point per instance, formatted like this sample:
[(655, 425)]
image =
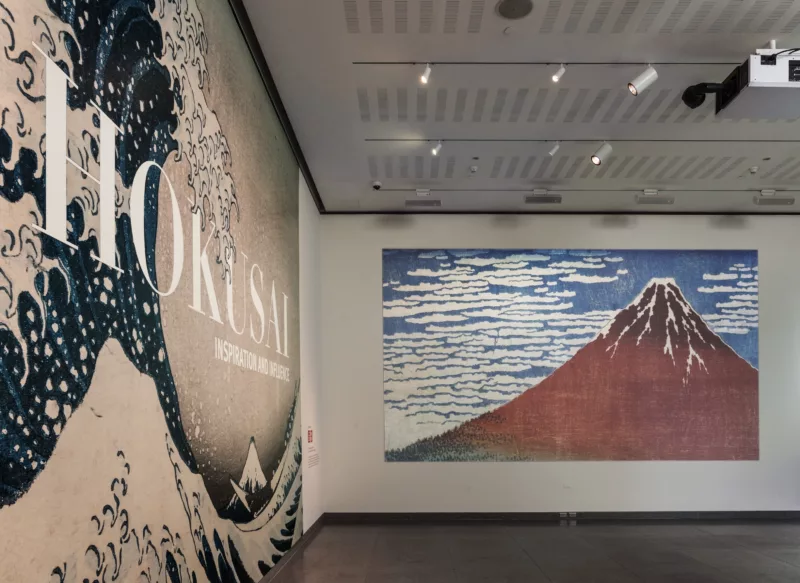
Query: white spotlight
[(643, 81), (437, 148), (560, 73), (602, 152), (554, 149), (425, 77)]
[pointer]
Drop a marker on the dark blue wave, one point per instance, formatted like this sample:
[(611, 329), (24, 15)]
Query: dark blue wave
[(120, 43)]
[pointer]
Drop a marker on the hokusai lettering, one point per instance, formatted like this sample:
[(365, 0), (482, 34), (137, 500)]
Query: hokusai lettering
[(55, 216)]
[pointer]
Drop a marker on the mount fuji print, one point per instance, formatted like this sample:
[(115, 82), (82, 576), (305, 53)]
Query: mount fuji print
[(510, 355)]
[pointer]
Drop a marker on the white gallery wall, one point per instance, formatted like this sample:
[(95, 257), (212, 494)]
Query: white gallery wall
[(358, 480), (309, 355)]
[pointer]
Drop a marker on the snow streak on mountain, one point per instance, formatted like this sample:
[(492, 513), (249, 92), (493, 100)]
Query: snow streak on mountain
[(253, 478)]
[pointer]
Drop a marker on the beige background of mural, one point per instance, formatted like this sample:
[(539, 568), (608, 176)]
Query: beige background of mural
[(222, 405), (94, 498)]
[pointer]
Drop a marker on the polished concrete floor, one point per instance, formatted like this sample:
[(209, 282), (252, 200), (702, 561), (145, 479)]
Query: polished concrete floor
[(467, 553)]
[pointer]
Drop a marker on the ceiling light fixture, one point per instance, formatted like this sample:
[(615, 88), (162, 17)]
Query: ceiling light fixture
[(560, 73), (601, 153), (437, 148), (426, 76), (643, 81), (554, 149)]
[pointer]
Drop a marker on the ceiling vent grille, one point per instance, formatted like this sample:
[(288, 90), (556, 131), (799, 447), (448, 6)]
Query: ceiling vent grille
[(450, 168), (543, 199), (650, 15), (768, 198), (475, 17), (600, 16), (425, 16), (652, 197), (792, 24), (775, 16), (480, 103), (550, 16), (376, 16), (351, 16), (519, 102), (575, 16), (749, 18), (723, 20), (699, 16), (675, 16), (401, 16), (363, 104), (625, 16), (424, 203), (451, 16)]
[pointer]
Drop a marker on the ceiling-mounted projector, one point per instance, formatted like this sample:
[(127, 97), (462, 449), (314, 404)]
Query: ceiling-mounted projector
[(765, 86)]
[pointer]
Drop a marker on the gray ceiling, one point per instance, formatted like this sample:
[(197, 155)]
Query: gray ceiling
[(348, 73)]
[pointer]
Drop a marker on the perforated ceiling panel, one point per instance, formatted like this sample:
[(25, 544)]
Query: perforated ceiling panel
[(546, 105), (349, 74), (523, 171), (580, 16)]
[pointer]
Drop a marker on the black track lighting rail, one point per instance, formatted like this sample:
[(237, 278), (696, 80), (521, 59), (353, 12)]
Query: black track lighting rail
[(581, 140), (553, 189), (553, 63)]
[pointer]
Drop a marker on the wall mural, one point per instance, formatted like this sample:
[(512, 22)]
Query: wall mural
[(148, 298), (570, 355)]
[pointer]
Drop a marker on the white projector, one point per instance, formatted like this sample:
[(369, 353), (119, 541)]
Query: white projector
[(765, 86)]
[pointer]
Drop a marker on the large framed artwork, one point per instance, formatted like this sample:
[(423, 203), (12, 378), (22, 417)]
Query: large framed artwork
[(149, 285), (558, 354)]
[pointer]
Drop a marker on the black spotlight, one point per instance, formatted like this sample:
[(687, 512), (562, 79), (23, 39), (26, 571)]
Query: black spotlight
[(695, 95)]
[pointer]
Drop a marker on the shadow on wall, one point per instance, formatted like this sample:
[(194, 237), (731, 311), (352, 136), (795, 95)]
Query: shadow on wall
[(614, 221), (729, 222)]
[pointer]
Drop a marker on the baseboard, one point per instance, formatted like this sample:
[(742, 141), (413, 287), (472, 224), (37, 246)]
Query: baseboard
[(552, 517), (304, 541)]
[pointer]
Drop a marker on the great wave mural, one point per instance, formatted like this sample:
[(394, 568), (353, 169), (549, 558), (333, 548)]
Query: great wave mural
[(149, 386), (567, 354)]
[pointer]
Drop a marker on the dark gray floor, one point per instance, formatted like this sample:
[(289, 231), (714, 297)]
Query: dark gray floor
[(467, 553)]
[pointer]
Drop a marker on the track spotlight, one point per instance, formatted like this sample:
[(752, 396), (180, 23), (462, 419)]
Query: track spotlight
[(560, 73), (643, 81), (601, 154), (437, 148), (426, 76), (554, 149)]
